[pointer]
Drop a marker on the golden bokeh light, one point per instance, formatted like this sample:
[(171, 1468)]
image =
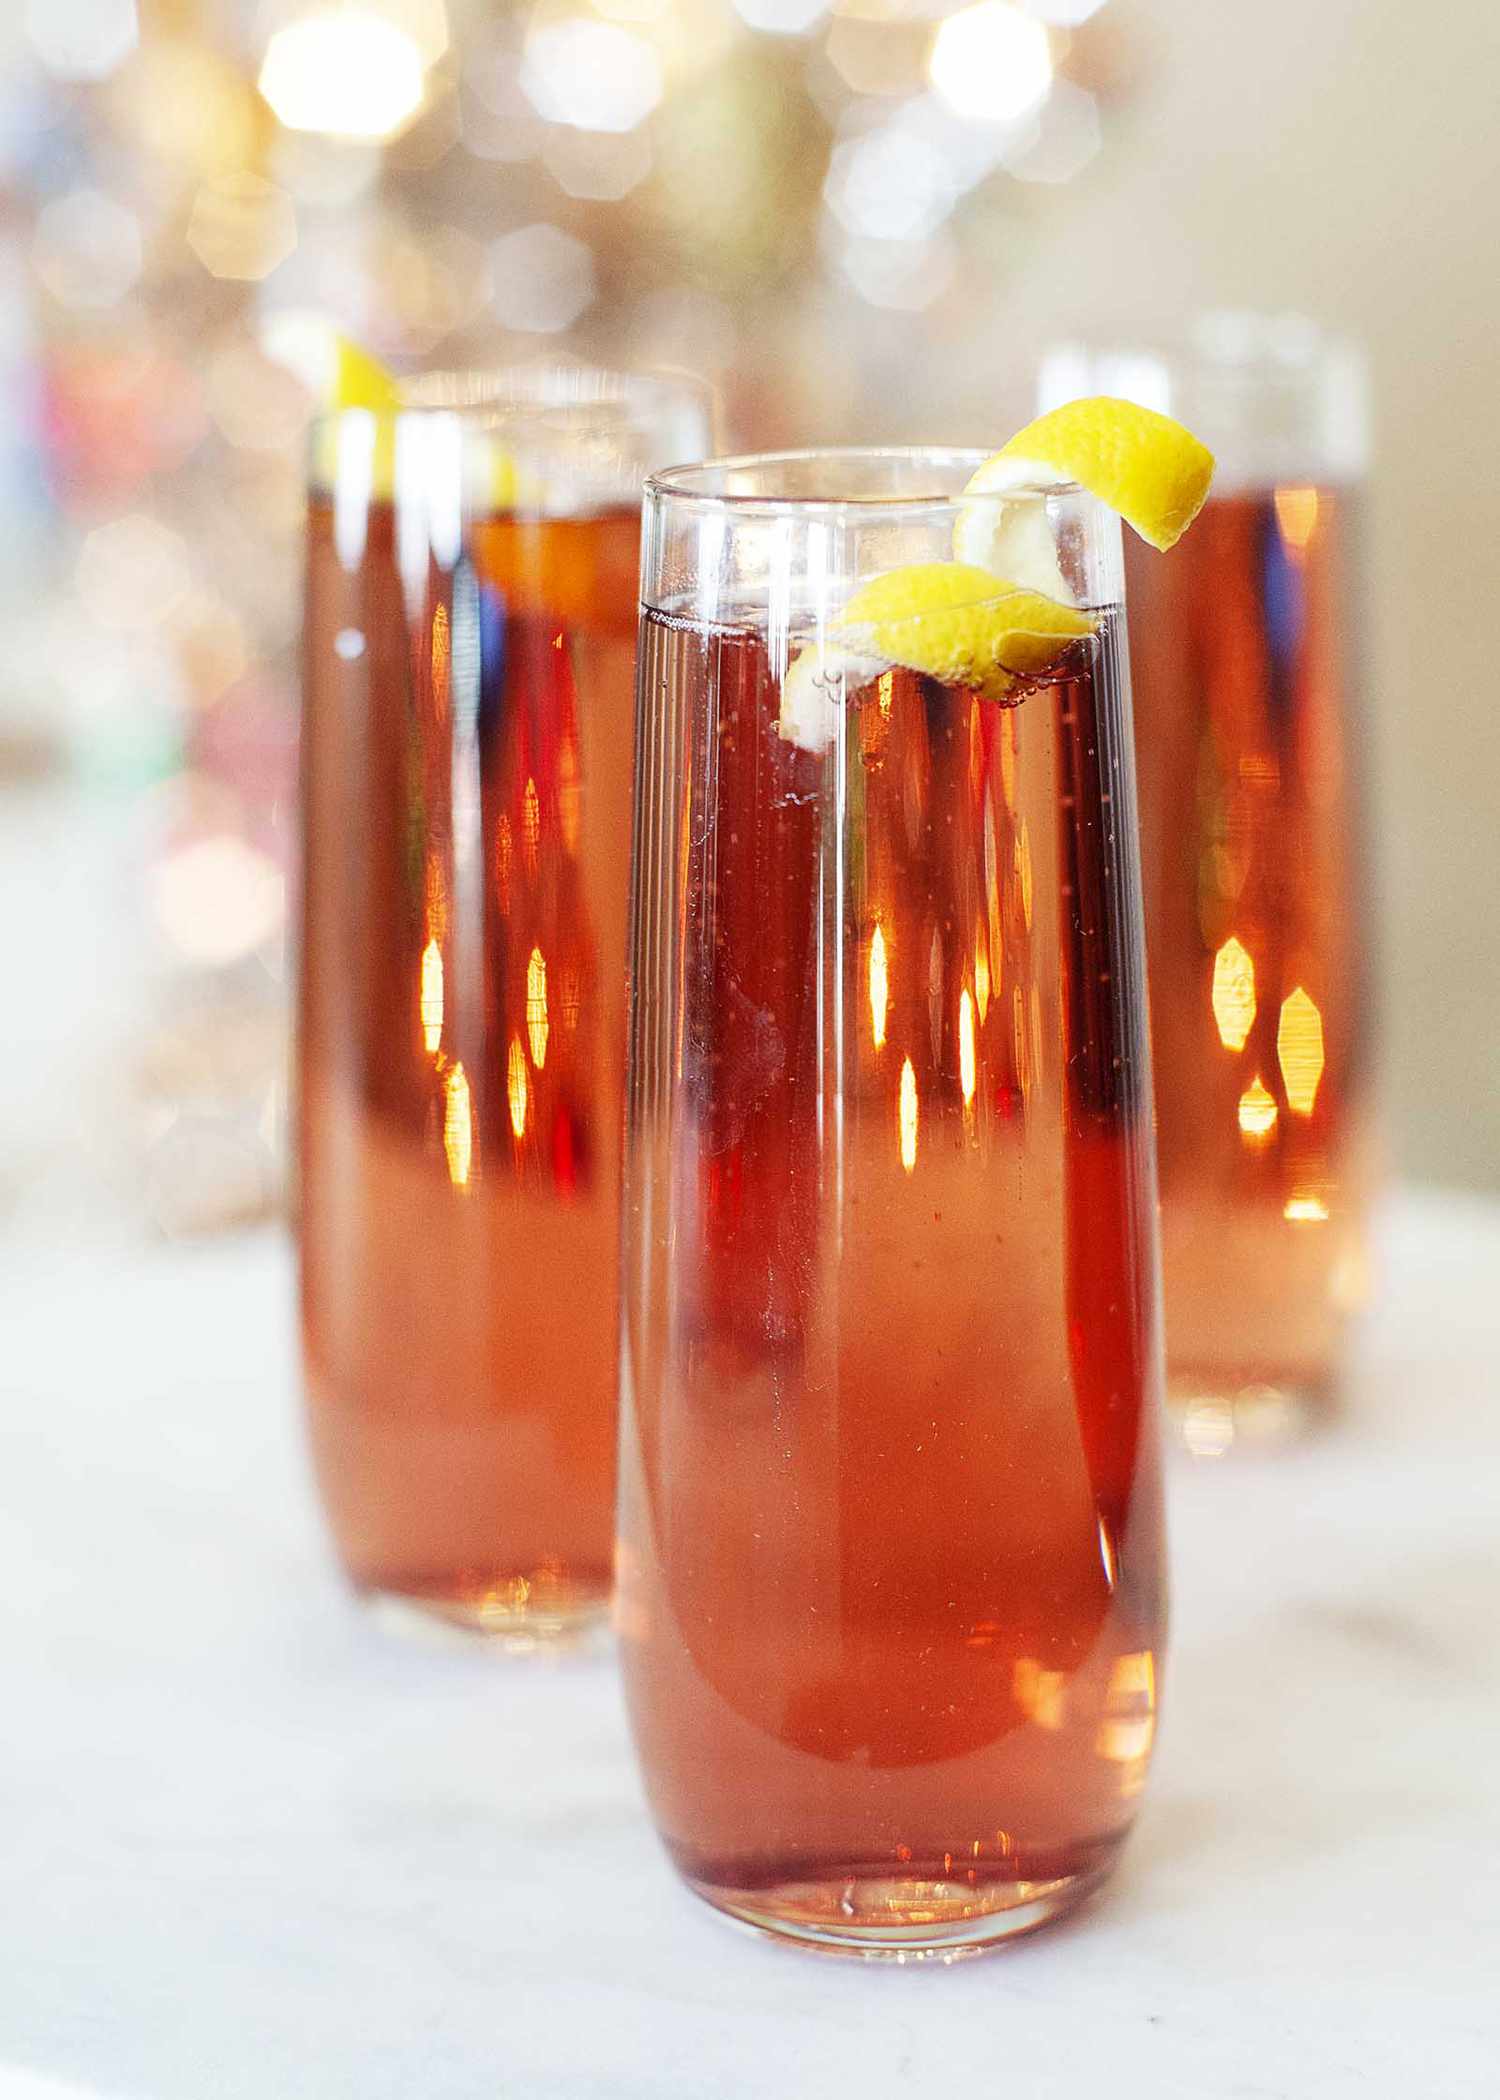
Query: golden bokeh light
[(1234, 994), (430, 997), (531, 822), (536, 1007), (440, 661), (1296, 516), (1305, 1210), (1299, 1050), (879, 987), (981, 975), (966, 1061), (517, 1087), (1257, 1112), (991, 63), (458, 1126), (347, 72), (908, 1115)]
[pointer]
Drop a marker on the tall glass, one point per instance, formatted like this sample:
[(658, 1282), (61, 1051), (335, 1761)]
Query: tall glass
[(1253, 845), (891, 1585), (467, 748)]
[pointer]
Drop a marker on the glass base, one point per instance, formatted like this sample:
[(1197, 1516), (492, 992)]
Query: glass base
[(1213, 1416), (902, 1918), (562, 1619)]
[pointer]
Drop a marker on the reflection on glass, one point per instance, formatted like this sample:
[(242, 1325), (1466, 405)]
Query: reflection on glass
[(467, 782), (889, 1510), (1243, 662)]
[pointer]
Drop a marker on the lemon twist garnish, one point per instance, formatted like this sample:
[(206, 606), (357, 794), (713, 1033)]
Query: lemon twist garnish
[(1147, 468), (963, 625), (1002, 609), (359, 380)]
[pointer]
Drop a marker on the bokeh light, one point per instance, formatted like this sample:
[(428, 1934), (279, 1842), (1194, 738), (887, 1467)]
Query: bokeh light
[(991, 61), (595, 75), (346, 71), (82, 39), (541, 279)]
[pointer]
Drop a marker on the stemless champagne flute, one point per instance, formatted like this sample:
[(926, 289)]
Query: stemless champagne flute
[(1253, 843), (891, 1582), (467, 739)]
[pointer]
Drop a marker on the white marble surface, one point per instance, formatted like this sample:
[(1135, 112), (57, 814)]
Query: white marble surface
[(254, 1850)]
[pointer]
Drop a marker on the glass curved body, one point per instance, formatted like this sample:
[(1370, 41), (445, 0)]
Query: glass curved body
[(1243, 657), (467, 745), (890, 1562)]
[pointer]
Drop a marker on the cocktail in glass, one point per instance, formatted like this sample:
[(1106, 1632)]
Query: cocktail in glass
[(1256, 882), (467, 741), (891, 1597)]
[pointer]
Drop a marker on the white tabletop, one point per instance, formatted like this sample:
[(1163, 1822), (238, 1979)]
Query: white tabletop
[(254, 1849)]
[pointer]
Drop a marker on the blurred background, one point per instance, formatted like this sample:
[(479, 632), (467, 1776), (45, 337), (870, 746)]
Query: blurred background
[(864, 219)]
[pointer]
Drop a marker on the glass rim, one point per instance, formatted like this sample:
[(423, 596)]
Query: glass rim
[(487, 397), (677, 483)]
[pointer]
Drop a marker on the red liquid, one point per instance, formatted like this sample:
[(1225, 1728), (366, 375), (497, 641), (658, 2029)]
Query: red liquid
[(891, 1578), (1251, 842), (467, 778)]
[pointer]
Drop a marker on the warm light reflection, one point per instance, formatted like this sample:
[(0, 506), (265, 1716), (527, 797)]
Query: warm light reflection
[(966, 1046), (458, 1126), (981, 975), (1299, 1048), (1234, 994), (1023, 871), (908, 1114), (431, 997), (1128, 1728), (440, 655), (1257, 1112), (879, 987), (1008, 756), (504, 850), (536, 1007), (531, 821), (1305, 1210), (1040, 1693), (517, 1087), (883, 693), (1296, 516), (435, 898), (569, 792)]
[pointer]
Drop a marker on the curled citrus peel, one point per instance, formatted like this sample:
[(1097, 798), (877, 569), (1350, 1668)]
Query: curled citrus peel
[(1002, 609)]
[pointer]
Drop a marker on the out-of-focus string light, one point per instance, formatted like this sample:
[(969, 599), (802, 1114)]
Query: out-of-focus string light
[(348, 72), (900, 276), (598, 166), (87, 249), (890, 185), (133, 572), (82, 39), (241, 227), (991, 62), (1067, 138), (782, 17), (218, 899), (541, 279), (1063, 14), (591, 74)]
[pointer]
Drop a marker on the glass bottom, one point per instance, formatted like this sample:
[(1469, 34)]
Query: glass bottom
[(904, 1918), (1215, 1415), (517, 1617)]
